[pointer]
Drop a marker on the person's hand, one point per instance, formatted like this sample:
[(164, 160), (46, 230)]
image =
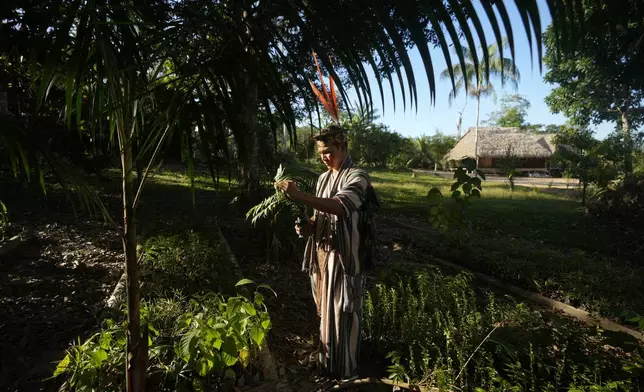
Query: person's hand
[(288, 187)]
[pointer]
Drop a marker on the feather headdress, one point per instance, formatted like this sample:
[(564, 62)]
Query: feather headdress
[(328, 97)]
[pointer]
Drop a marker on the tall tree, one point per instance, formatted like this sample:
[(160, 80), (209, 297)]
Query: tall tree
[(438, 146), (599, 77), (582, 156), (512, 113), (472, 77)]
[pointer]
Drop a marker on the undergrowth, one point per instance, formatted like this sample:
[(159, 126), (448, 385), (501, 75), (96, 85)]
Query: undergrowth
[(438, 331), (198, 338), (189, 261)]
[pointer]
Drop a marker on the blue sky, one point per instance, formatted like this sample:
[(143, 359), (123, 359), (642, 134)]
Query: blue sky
[(441, 116)]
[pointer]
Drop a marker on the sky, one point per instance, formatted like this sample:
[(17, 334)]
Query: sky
[(428, 118)]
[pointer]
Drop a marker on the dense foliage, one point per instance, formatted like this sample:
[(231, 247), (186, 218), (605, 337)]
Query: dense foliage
[(443, 333), (582, 156), (199, 335), (598, 78), (512, 113), (622, 203)]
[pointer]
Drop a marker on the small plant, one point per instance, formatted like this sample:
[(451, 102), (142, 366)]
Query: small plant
[(439, 332), (193, 344), (189, 261), (4, 221), (467, 185), (511, 178), (397, 372)]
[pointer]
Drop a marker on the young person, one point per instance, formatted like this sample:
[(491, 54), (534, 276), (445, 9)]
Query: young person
[(338, 250)]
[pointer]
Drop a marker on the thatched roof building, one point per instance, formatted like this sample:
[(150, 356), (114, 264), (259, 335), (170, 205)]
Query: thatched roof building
[(533, 150)]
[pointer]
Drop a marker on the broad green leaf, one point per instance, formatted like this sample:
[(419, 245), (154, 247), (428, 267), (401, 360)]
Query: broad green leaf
[(249, 308), (203, 366), (229, 351), (476, 193), (266, 323), (469, 164), (259, 299), (217, 344), (456, 194), (265, 286), (257, 334), (454, 186), (244, 355), (188, 344), (105, 340), (477, 182), (467, 188), (62, 366), (244, 282), (98, 357)]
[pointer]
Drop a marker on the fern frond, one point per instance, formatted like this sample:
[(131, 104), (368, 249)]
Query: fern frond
[(270, 207)]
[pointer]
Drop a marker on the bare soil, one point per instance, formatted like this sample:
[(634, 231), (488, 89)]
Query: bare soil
[(51, 292)]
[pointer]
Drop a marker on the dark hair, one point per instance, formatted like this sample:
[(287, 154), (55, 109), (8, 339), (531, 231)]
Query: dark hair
[(332, 134)]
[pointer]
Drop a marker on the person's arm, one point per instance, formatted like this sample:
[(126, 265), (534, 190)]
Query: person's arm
[(330, 206), (322, 204)]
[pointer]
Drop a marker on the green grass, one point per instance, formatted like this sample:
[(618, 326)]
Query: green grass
[(539, 240)]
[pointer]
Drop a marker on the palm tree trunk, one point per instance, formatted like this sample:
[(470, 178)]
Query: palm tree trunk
[(136, 359), (476, 131), (626, 130)]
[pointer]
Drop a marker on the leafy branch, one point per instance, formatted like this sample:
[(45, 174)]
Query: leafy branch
[(467, 185), (270, 207)]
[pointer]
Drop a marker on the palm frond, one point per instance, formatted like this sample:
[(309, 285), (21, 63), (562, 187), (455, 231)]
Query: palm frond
[(271, 206)]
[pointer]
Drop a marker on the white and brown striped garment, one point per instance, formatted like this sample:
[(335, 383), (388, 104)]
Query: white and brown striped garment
[(335, 261)]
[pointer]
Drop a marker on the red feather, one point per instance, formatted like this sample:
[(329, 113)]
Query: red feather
[(328, 98), (334, 102)]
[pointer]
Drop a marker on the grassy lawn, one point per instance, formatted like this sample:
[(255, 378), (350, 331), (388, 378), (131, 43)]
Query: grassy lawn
[(538, 239)]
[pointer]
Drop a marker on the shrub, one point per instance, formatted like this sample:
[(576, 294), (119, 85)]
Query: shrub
[(192, 345), (623, 204), (188, 261), (198, 338)]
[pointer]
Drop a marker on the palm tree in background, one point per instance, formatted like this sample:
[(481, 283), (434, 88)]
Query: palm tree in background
[(474, 79)]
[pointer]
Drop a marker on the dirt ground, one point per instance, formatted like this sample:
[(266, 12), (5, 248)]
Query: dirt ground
[(52, 290)]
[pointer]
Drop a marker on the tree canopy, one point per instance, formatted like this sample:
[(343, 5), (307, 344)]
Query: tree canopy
[(598, 78), (512, 113)]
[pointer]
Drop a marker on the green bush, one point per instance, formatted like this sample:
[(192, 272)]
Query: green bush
[(189, 261), (198, 338), (192, 345), (623, 204), (440, 332)]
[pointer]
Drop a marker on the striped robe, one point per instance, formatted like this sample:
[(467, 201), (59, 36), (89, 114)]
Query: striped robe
[(335, 259)]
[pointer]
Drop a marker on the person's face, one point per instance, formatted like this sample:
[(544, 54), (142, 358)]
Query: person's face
[(331, 154)]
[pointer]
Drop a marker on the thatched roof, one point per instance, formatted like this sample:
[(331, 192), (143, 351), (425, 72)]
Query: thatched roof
[(495, 142)]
